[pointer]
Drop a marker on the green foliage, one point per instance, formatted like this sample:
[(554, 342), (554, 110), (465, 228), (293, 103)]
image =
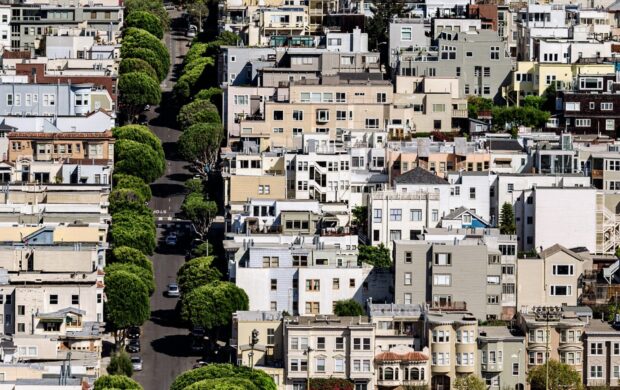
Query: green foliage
[(227, 38), (198, 111), (348, 307), (149, 56), (200, 211), (116, 382), (611, 310), (469, 382), (127, 255), (127, 300), (476, 104), (561, 376), (146, 21), (213, 371), (125, 199), (378, 256), (194, 186), (533, 102), (223, 384), (331, 384), (129, 65), (197, 272), (201, 143), (120, 364), (196, 51), (513, 117), (145, 274), (507, 223), (202, 250), (138, 160), (137, 89), (137, 185), (377, 27), (212, 305), (360, 217), (213, 94), (134, 230), (141, 134), (134, 38), (156, 7), (195, 77)]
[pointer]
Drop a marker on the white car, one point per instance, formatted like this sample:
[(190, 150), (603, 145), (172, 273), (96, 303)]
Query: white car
[(171, 239), (136, 363), (173, 291)]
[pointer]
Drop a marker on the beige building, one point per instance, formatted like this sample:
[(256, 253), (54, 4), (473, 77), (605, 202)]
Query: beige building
[(602, 354), (551, 278)]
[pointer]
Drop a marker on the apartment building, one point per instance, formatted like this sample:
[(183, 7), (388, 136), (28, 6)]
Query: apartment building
[(553, 277), (478, 58), (452, 341), (329, 347), (501, 357), (540, 21), (555, 332), (460, 262), (601, 361), (302, 274)]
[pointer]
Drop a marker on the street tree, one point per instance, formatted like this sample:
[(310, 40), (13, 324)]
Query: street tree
[(348, 307), (197, 272), (200, 211), (146, 21), (149, 56), (200, 145), (137, 159), (136, 90), (127, 255), (129, 65), (116, 382), (196, 75), (214, 371), (378, 26), (331, 384), (198, 111), (212, 94), (360, 217), (134, 38), (126, 199), (212, 305), (145, 274), (507, 220), (120, 364), (134, 230), (377, 256), (139, 133), (224, 384), (127, 303), (156, 7), (194, 186), (469, 382), (560, 376), (134, 183)]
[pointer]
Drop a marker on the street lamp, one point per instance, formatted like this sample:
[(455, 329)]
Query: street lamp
[(547, 313), (307, 353), (253, 342)]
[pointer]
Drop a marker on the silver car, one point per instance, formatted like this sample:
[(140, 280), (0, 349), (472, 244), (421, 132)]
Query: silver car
[(136, 363), (173, 291)]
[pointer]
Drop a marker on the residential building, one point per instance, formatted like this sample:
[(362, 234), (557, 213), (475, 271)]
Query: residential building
[(501, 357), (329, 347), (601, 361)]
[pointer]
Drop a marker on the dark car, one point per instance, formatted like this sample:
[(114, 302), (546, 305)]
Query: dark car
[(198, 331), (133, 332), (133, 346)]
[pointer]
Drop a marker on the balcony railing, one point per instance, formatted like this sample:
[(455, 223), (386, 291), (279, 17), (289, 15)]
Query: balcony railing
[(448, 306)]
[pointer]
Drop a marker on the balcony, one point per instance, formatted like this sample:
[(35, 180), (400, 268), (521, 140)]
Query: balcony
[(459, 113), (398, 195), (448, 306)]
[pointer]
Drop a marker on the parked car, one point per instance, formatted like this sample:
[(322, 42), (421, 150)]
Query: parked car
[(191, 31), (197, 345), (133, 332), (133, 346), (136, 363), (200, 363), (198, 331), (171, 239), (173, 291)]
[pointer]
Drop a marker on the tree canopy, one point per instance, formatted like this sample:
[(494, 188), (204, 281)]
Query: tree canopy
[(477, 104), (116, 382), (129, 65), (134, 230), (137, 159), (138, 89), (125, 254), (469, 382), (126, 199), (149, 56), (155, 7), (348, 307), (146, 21), (198, 111), (378, 26), (134, 38), (223, 384), (141, 134), (507, 220), (561, 376), (214, 371), (194, 186), (213, 305), (506, 118), (200, 211), (196, 75), (120, 364), (134, 183), (378, 256), (200, 144), (127, 300), (197, 272), (145, 275), (331, 384)]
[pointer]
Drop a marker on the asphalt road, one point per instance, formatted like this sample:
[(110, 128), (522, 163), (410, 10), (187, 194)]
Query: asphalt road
[(166, 347)]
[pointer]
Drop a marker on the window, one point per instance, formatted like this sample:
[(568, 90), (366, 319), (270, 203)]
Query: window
[(338, 364), (492, 299), (313, 285), (320, 343), (493, 279), (407, 280), (442, 279), (435, 215), (341, 115), (372, 123), (561, 290), (472, 192), (381, 97), (241, 100), (21, 327), (580, 122), (607, 106), (408, 298), (596, 348), (341, 97), (336, 283), (443, 259), (298, 115), (563, 270), (21, 310), (273, 306), (361, 344), (351, 282), (508, 269), (415, 214), (278, 115), (494, 53), (278, 130), (53, 299), (507, 250), (75, 299), (339, 343), (405, 33), (596, 372), (312, 308), (49, 99), (439, 108), (396, 214), (9, 99), (610, 124), (322, 115), (395, 235), (271, 336), (274, 284), (376, 215), (408, 258), (572, 106)]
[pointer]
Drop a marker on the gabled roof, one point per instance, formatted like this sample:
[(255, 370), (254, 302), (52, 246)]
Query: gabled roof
[(615, 7), (395, 357), (420, 176), (552, 250), (505, 144), (62, 313), (5, 127), (464, 210)]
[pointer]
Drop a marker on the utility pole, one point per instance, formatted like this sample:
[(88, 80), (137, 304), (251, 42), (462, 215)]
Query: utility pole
[(308, 350), (253, 342)]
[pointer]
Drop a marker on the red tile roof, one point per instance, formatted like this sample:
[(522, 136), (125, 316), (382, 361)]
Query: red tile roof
[(409, 357)]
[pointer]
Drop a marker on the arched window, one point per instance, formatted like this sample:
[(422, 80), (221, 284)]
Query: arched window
[(406, 374), (388, 373), (421, 373), (396, 373), (415, 374)]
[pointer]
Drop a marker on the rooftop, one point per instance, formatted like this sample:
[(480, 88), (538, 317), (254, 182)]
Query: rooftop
[(258, 315), (420, 176), (395, 310), (327, 321)]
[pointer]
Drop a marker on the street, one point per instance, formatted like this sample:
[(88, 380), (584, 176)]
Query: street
[(165, 347)]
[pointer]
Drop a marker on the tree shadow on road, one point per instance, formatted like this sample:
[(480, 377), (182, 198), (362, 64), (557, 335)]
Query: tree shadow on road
[(180, 177), (167, 317), (163, 190), (173, 345)]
